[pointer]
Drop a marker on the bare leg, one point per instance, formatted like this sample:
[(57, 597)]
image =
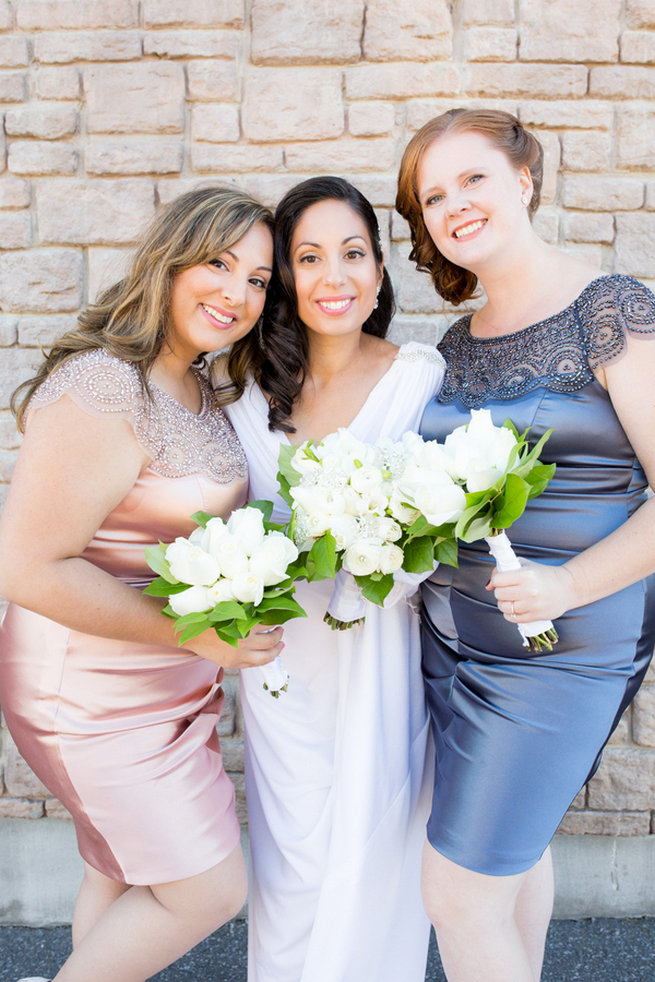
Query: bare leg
[(97, 893), (534, 909), (148, 928), (474, 916)]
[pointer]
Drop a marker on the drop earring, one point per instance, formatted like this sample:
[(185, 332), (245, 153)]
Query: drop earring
[(377, 298)]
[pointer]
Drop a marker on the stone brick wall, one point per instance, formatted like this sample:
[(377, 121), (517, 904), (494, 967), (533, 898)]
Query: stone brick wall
[(110, 107)]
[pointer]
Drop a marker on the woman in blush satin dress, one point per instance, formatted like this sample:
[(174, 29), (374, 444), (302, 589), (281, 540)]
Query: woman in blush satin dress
[(122, 444), (558, 345), (335, 767)]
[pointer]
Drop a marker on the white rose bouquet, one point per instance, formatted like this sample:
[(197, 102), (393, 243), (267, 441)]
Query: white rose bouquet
[(500, 473), (231, 576)]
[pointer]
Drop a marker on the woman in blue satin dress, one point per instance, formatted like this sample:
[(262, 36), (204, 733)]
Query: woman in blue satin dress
[(557, 344)]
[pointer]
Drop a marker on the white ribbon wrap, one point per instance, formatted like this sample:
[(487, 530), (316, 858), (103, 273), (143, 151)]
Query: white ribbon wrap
[(506, 559)]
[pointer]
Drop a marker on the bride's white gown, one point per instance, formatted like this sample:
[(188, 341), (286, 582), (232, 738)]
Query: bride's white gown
[(336, 781)]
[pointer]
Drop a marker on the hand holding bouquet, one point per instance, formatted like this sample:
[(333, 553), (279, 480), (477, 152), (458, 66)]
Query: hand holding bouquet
[(230, 576)]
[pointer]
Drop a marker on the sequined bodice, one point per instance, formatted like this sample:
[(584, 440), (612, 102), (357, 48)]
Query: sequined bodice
[(196, 461), (558, 354)]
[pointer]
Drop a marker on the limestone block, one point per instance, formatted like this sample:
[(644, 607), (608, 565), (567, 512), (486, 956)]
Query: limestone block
[(142, 98), (427, 330), (94, 212), (232, 750), (292, 104), (191, 44), (622, 81), (546, 224), (588, 227), (37, 157), (10, 438), (14, 193), (520, 80), (212, 81), (586, 252), (638, 46), (57, 82), (227, 724), (72, 46), (20, 808), (8, 333), (169, 188), (268, 188), (15, 230), (621, 737), (415, 293), (215, 124), (154, 157), (640, 13), (624, 781), (105, 267), (400, 229), (52, 14), (605, 823), (294, 32), (596, 193), (334, 156), (44, 124), (14, 52), (580, 800), (417, 31), (371, 118), (635, 244), (380, 189), (586, 150), (552, 157), (650, 195), (568, 115), (490, 44), (397, 81), (643, 716), (42, 330), (6, 15), (239, 783), (20, 781), (202, 13), (55, 809), (7, 464), (488, 12), (39, 280), (13, 86), (635, 130), (233, 158), (558, 30)]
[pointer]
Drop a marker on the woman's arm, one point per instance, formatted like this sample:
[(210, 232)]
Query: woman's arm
[(627, 554), (72, 471)]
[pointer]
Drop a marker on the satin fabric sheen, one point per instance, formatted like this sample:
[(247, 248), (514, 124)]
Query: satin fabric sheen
[(124, 734), (516, 733), (336, 780)]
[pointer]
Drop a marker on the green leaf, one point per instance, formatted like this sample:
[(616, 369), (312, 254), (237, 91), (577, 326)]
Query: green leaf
[(446, 552), (538, 478), (510, 505), (375, 589), (285, 469), (265, 507), (201, 518), (278, 603), (478, 528), (321, 559), (468, 515), (227, 610), (162, 588), (419, 554), (229, 633), (156, 560)]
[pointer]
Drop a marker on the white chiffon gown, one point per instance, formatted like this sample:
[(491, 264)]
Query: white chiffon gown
[(337, 782)]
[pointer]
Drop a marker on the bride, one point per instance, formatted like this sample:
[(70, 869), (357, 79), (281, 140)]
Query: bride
[(334, 767)]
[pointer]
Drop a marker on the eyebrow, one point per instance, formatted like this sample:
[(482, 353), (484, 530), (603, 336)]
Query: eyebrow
[(317, 245), (229, 252)]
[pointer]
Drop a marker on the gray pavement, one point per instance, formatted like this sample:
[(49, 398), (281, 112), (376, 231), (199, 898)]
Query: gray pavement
[(595, 950)]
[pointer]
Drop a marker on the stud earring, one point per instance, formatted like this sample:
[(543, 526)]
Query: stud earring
[(525, 199)]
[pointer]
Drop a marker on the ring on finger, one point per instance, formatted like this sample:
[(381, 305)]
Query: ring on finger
[(513, 613)]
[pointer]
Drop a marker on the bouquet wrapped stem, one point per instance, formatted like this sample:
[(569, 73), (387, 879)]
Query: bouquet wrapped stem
[(536, 635)]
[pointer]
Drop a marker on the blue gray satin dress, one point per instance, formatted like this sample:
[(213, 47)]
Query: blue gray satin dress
[(517, 734)]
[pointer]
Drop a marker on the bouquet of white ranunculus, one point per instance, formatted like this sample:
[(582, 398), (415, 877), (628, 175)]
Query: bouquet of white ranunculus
[(353, 510), (231, 576), (500, 474)]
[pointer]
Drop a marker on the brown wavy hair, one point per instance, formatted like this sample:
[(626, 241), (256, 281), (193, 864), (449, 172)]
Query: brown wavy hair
[(130, 320), (454, 283), (281, 366)]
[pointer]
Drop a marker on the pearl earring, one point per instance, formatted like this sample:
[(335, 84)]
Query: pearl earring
[(525, 199)]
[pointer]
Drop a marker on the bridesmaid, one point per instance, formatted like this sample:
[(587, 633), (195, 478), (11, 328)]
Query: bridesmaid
[(556, 344), (122, 444), (335, 767)]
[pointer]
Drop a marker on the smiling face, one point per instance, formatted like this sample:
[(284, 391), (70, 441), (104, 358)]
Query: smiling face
[(472, 198), (335, 272), (218, 302)]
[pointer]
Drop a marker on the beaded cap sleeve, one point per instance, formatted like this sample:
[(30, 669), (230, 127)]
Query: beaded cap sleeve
[(559, 353), (178, 441)]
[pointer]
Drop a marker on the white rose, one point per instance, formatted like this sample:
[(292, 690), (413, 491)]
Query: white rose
[(362, 558), (304, 464), (232, 558), (401, 511), (195, 600), (480, 451), (215, 534), (440, 502), (366, 479), (191, 564), (270, 562), (247, 526), (248, 588), (389, 530), (391, 558), (220, 591), (344, 530)]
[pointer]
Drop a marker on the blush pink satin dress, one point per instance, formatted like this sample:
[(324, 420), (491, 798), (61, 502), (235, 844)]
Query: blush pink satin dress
[(124, 734)]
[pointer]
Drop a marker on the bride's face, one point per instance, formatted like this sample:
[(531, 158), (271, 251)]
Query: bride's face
[(335, 271)]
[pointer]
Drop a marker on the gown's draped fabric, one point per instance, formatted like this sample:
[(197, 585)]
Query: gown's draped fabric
[(124, 734), (516, 733), (335, 768)]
